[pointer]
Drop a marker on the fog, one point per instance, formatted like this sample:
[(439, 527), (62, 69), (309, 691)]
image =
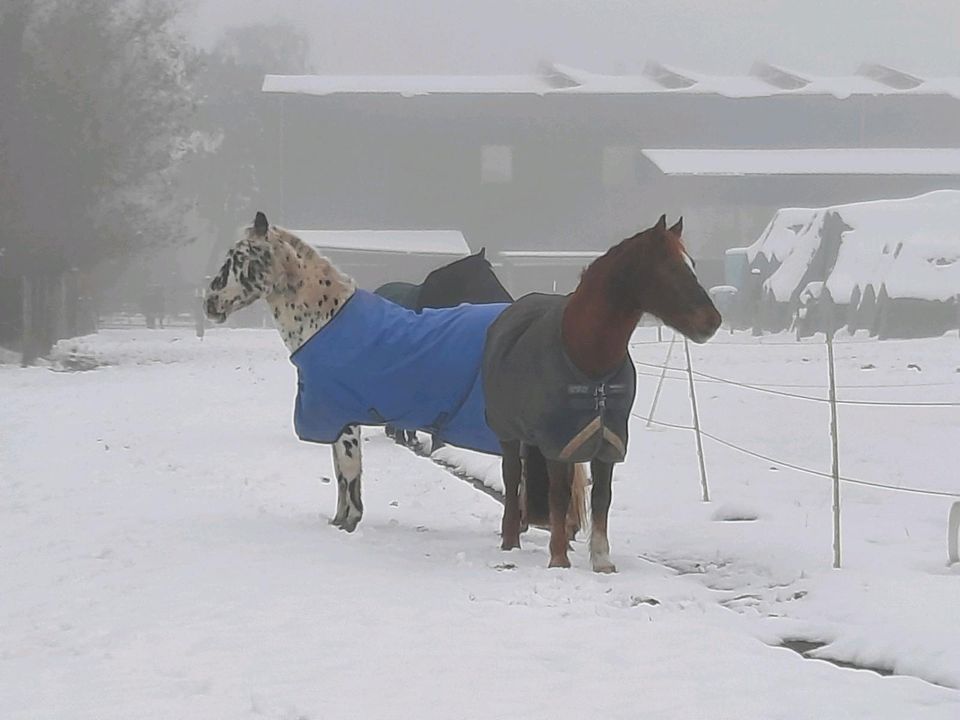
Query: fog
[(136, 138), (630, 329), (508, 36)]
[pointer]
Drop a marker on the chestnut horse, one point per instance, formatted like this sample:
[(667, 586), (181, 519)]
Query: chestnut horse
[(548, 355)]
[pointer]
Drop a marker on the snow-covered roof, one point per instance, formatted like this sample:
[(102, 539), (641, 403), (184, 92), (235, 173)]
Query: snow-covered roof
[(407, 242), (555, 79), (818, 161), (911, 246)]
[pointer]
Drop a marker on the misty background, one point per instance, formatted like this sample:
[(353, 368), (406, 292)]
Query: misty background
[(508, 36), (135, 139)]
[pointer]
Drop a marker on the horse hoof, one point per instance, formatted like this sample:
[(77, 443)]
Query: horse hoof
[(510, 544), (345, 524), (606, 568), (559, 562)]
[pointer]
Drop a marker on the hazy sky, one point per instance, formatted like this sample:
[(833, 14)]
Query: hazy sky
[(512, 36)]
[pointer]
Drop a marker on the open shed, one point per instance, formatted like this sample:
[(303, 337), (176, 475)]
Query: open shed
[(553, 271), (375, 257)]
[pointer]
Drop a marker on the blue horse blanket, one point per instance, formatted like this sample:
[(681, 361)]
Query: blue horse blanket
[(376, 362)]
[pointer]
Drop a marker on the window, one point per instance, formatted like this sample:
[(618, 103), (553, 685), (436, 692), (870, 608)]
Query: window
[(496, 164)]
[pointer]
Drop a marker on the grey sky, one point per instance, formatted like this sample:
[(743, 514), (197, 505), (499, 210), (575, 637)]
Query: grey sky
[(512, 36)]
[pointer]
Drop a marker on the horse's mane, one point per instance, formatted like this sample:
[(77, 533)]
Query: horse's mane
[(297, 244), (309, 254), (621, 268)]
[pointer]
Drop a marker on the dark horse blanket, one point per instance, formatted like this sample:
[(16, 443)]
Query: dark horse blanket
[(536, 395), (376, 363)]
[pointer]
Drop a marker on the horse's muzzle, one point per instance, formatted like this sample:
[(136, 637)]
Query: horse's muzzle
[(706, 323), (213, 312)]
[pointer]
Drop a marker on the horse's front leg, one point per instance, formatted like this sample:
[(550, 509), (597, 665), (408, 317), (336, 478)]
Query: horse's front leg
[(348, 466), (510, 524), (600, 505), (561, 476)]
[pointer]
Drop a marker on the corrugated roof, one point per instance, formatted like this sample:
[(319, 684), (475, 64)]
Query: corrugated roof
[(405, 242), (554, 79), (820, 161)]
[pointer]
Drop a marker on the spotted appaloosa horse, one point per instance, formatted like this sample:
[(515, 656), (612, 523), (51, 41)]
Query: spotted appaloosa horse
[(558, 375), (304, 291)]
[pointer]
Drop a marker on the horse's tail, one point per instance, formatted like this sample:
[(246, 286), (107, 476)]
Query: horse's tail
[(577, 514), (535, 497)]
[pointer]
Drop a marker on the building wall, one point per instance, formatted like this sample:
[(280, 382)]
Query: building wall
[(354, 162)]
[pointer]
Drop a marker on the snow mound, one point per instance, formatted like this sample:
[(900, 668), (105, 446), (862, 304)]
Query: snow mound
[(911, 246), (9, 357)]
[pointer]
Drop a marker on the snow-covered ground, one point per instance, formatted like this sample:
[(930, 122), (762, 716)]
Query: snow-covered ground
[(164, 551)]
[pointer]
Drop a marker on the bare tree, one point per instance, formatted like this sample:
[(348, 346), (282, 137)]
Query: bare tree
[(99, 123)]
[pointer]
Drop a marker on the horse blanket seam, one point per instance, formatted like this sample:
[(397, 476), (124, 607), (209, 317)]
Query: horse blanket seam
[(376, 362), (536, 395)]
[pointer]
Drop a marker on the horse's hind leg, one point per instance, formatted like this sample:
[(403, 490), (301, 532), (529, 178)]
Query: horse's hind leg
[(561, 474), (347, 463), (510, 524), (600, 499)]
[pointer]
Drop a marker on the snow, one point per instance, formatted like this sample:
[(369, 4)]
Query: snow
[(165, 551), (412, 242), (559, 79), (807, 161), (911, 246)]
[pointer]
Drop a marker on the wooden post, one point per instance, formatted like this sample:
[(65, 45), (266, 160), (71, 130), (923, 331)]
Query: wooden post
[(696, 425), (663, 374), (953, 534), (835, 446), (26, 322)]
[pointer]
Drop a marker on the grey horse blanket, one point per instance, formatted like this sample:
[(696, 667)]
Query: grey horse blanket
[(536, 395)]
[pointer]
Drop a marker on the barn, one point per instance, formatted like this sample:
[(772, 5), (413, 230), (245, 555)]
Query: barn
[(563, 159)]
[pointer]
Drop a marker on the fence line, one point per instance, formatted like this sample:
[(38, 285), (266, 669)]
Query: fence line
[(798, 468), (805, 342), (798, 396), (877, 386), (835, 476)]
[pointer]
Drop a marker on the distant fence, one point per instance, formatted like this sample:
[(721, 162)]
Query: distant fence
[(664, 372)]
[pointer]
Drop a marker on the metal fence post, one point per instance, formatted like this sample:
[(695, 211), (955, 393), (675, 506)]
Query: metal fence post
[(696, 425), (835, 445), (663, 374)]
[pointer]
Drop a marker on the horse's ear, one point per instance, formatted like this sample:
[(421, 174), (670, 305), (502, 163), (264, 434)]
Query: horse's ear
[(661, 224), (483, 253), (677, 229), (260, 224)]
